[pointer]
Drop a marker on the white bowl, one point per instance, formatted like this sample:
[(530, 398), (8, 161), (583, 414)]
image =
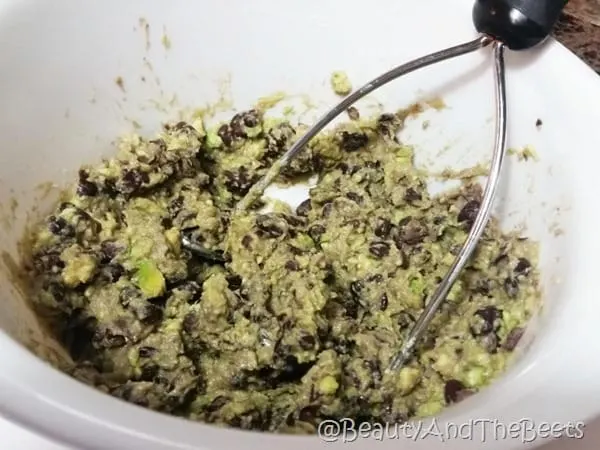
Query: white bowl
[(61, 107)]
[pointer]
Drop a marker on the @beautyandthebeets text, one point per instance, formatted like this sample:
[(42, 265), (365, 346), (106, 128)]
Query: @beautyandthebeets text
[(483, 430)]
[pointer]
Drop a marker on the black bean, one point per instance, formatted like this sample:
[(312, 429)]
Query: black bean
[(108, 339), (183, 126), (356, 198), (190, 322), (247, 241), (48, 262), (377, 278), (469, 212), (86, 188), (149, 372), (113, 272), (269, 226), (385, 124), (455, 391), (216, 404), (353, 141), (316, 231), (292, 265), (240, 181), (511, 286), (383, 302), (489, 315), (224, 132), (411, 232), (166, 223), (60, 227), (523, 267), (251, 118), (382, 228), (379, 249), (146, 352), (234, 282), (108, 251), (538, 123), (307, 342), (412, 195), (304, 208), (513, 338), (278, 137), (327, 208), (295, 221), (132, 180), (110, 187), (237, 127), (353, 113), (351, 307), (150, 314)]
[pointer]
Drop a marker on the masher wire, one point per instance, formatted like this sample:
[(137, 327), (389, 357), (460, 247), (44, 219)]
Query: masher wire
[(479, 223)]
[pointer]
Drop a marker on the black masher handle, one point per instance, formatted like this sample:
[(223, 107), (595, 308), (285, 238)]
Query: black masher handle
[(520, 24)]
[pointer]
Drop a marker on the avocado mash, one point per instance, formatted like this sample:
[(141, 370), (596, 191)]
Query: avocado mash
[(301, 320)]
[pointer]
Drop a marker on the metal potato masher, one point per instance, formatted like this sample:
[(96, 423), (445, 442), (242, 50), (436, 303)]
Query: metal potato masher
[(502, 24)]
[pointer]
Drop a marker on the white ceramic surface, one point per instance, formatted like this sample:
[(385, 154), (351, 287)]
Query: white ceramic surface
[(61, 107)]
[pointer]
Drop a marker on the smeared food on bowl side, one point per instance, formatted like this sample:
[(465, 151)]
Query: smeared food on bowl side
[(301, 320)]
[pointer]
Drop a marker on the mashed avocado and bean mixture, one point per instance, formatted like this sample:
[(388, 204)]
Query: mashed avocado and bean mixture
[(302, 319)]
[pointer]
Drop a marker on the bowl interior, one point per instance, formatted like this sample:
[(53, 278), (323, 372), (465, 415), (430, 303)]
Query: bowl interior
[(71, 86)]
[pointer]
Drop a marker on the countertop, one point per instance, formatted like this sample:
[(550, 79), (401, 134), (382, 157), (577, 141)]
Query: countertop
[(578, 30)]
